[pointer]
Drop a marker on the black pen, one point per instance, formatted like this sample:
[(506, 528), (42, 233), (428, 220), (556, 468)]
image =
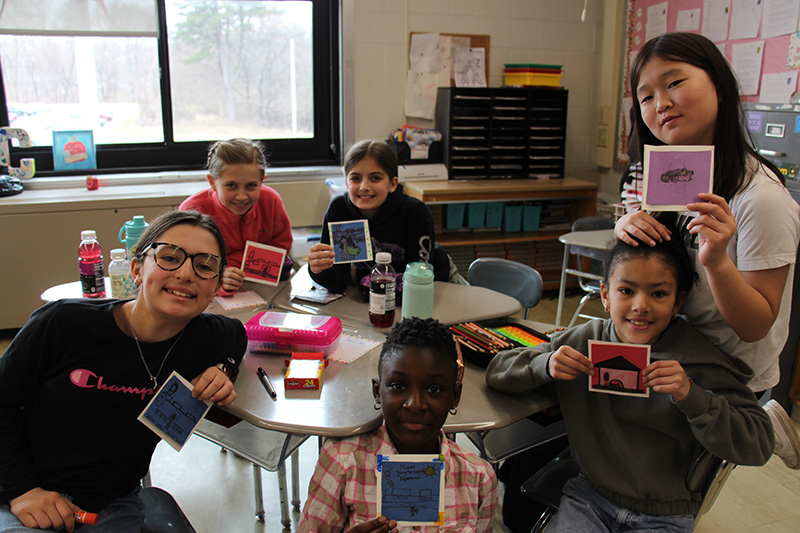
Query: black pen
[(264, 378)]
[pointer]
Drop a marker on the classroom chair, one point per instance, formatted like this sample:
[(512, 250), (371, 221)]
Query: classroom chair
[(509, 277), (706, 476), (525, 284), (588, 281), (265, 449), (162, 514)]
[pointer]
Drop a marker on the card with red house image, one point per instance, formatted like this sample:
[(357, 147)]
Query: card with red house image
[(618, 368), (74, 150), (262, 263)]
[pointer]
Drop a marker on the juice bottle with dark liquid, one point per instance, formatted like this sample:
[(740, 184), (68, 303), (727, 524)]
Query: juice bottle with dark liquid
[(382, 282)]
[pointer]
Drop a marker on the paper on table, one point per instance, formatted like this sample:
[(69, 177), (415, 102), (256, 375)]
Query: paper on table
[(745, 19), (780, 18), (351, 347), (715, 19), (240, 300), (777, 88), (688, 20), (746, 62)]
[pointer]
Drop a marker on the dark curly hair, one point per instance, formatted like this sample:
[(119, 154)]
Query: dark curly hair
[(424, 333), (672, 253)]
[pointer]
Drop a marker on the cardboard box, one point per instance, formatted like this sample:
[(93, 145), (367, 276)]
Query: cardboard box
[(305, 371)]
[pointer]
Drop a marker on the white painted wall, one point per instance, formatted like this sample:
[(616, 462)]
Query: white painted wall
[(521, 31)]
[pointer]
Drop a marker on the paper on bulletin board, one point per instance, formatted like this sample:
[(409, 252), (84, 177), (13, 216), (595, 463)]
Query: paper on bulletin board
[(780, 18), (745, 19), (471, 68), (746, 63), (688, 20), (656, 21), (424, 52), (715, 19), (793, 57), (421, 94), (777, 88)]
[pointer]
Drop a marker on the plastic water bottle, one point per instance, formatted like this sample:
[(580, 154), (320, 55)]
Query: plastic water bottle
[(119, 272), (418, 290), (382, 282), (90, 265), (132, 229)]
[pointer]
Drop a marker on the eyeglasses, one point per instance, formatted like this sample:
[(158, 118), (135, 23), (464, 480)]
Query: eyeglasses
[(170, 257)]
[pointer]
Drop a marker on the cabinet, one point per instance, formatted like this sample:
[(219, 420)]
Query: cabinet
[(503, 133), (539, 249)]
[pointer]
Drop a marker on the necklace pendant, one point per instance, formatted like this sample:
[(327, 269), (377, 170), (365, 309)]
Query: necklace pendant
[(155, 383)]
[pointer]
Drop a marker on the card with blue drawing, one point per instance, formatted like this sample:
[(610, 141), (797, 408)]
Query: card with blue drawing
[(262, 263), (618, 368), (351, 241), (675, 175), (411, 489), (172, 413)]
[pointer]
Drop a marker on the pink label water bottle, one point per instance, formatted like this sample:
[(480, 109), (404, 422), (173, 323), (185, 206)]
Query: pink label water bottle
[(90, 265)]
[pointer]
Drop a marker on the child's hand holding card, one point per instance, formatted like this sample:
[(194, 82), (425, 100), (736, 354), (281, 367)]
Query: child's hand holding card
[(618, 368), (351, 241)]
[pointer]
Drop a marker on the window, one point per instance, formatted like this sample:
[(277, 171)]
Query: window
[(263, 69)]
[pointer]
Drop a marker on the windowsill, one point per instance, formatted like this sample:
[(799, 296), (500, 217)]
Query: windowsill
[(276, 174)]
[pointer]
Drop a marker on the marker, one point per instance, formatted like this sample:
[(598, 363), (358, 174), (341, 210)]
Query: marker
[(264, 378), (83, 517)]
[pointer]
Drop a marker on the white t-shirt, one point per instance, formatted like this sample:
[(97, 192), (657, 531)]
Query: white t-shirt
[(767, 233)]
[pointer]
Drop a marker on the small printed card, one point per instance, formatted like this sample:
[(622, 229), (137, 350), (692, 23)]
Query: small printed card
[(675, 175), (262, 263), (618, 368), (172, 413), (351, 241), (411, 489)]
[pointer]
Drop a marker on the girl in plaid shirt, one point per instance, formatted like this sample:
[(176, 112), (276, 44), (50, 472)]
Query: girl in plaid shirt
[(416, 387)]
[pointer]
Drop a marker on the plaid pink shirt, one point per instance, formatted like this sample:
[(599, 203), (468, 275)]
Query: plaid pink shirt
[(343, 489)]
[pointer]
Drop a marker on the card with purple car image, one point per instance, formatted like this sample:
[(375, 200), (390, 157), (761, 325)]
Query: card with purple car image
[(675, 175)]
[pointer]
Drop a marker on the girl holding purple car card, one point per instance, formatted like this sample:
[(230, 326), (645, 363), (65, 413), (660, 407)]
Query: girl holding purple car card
[(743, 237)]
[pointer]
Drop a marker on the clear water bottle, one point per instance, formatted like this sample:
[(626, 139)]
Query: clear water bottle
[(90, 265), (382, 282), (418, 290), (119, 272)]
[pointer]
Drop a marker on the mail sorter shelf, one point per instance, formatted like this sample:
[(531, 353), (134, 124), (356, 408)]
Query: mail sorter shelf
[(503, 133)]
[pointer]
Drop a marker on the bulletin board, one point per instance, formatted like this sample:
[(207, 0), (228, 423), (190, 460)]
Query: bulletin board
[(728, 23), (475, 41)]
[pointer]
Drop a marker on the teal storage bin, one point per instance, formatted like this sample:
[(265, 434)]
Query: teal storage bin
[(494, 214), (454, 216), (512, 217), (531, 215), (476, 214)]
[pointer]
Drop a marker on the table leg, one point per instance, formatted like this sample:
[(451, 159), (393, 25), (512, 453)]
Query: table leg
[(285, 520), (296, 480), (562, 286), (259, 496)]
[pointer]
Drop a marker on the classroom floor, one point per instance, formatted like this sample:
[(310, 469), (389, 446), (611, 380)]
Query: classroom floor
[(215, 489)]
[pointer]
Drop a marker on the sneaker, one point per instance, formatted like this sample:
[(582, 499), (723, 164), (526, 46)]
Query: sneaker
[(787, 443)]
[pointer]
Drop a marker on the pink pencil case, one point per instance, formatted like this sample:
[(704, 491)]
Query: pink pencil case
[(284, 333)]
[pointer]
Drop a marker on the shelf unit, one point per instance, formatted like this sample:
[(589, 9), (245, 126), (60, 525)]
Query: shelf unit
[(539, 249), (503, 133)]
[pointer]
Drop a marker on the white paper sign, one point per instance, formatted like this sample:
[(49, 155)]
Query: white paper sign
[(656, 21), (715, 19), (777, 88), (688, 20), (745, 19), (746, 62), (780, 17)]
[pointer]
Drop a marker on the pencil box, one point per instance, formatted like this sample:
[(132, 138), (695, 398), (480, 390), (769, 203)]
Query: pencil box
[(284, 333), (480, 343)]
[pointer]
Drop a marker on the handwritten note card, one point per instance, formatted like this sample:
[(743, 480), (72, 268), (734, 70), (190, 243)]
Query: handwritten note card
[(411, 489)]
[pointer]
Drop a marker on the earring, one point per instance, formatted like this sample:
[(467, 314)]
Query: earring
[(453, 410), (376, 405)]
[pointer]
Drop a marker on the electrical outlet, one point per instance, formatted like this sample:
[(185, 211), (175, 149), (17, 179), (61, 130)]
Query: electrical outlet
[(602, 136)]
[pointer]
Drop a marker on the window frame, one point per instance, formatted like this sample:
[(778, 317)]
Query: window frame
[(323, 149)]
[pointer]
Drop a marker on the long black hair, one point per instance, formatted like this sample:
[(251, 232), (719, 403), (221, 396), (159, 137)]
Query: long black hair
[(730, 136)]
